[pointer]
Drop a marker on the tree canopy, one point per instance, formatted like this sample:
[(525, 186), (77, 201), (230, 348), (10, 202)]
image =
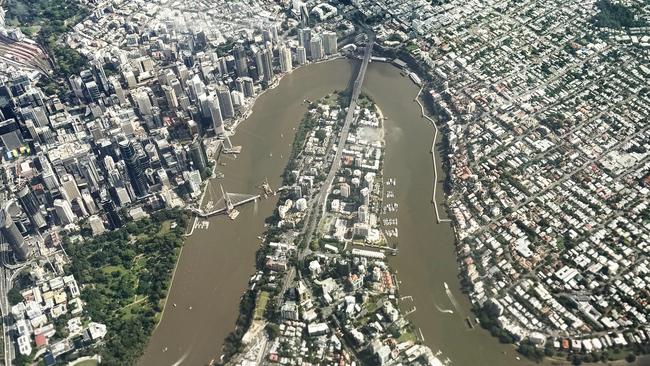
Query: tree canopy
[(616, 16), (126, 275)]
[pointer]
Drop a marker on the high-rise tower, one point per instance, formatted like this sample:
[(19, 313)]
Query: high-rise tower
[(133, 166)]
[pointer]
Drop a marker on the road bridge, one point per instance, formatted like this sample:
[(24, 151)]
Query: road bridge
[(321, 199)]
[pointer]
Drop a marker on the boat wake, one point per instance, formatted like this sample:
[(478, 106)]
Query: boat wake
[(183, 357), (444, 311), (451, 297)]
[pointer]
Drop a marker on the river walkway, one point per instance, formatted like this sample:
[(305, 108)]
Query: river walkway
[(433, 158)]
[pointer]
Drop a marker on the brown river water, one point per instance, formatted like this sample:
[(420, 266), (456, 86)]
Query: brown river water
[(216, 263)]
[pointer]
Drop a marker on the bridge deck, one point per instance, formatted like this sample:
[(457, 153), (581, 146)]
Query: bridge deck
[(237, 199)]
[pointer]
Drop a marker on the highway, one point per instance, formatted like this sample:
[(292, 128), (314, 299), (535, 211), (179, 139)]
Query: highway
[(321, 198), (313, 219)]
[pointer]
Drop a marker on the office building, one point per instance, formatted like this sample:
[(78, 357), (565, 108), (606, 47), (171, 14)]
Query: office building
[(239, 85), (69, 187), (133, 166), (100, 74), (225, 103), (122, 196), (259, 63), (50, 178), (93, 91), (143, 102), (89, 171), (249, 87), (36, 114), (89, 202), (237, 98), (198, 155), (170, 96), (108, 206), (64, 212), (267, 36), (117, 89), (196, 88), (241, 61), (31, 206), (96, 225), (77, 86), (12, 236), (216, 115), (304, 14)]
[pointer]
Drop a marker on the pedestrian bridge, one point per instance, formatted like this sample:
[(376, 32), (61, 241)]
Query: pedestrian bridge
[(224, 204)]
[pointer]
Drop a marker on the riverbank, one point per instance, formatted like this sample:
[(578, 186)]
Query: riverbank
[(277, 81), (218, 259), (279, 247), (359, 188), (509, 350), (427, 257)]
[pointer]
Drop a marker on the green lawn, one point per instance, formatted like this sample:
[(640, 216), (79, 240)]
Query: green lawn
[(260, 305), (407, 336)]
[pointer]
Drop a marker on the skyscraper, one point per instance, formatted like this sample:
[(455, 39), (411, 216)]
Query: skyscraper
[(225, 102), (28, 200), (267, 65), (304, 37), (133, 166), (241, 62), (239, 85), (30, 204), (196, 87), (237, 98), (77, 86), (89, 171), (36, 114), (267, 36), (249, 87), (170, 96), (198, 154), (304, 14), (12, 235), (274, 31), (64, 212), (100, 74), (259, 68), (301, 55), (108, 206), (93, 91), (117, 88), (285, 58), (330, 43), (143, 102), (50, 178), (215, 115), (316, 48)]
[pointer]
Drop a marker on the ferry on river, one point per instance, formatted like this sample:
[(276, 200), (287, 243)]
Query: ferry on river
[(233, 214)]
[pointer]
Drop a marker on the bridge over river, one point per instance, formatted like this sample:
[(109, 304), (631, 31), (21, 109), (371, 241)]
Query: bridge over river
[(226, 203)]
